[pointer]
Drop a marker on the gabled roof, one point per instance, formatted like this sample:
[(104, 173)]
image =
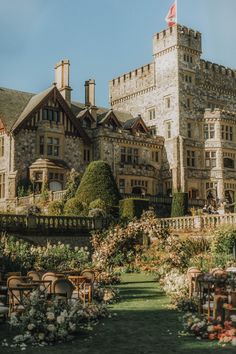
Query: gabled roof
[(133, 124), (85, 113), (17, 106), (12, 104), (32, 105), (106, 116)]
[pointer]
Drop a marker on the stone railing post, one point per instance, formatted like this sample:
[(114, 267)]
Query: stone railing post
[(31, 222), (197, 222)]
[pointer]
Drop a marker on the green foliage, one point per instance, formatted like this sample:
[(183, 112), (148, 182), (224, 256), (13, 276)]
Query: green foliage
[(73, 180), (179, 204), (74, 206), (133, 207), (45, 193), (19, 255), (98, 204), (56, 207), (24, 188), (223, 240), (98, 182)]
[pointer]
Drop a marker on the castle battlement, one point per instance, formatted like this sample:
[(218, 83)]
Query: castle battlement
[(177, 29), (217, 68), (134, 74)]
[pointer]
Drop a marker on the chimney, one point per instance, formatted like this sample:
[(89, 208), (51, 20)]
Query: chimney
[(62, 79), (89, 93)]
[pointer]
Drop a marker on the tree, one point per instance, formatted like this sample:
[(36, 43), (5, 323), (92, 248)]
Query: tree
[(98, 182)]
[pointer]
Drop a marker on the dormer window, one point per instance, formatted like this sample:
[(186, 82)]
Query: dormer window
[(86, 123)]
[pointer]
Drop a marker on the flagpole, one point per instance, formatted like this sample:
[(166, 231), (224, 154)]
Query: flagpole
[(176, 4)]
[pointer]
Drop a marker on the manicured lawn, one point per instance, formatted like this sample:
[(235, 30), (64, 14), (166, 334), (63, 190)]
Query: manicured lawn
[(143, 325)]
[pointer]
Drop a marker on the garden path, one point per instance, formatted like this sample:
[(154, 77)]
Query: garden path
[(141, 323)]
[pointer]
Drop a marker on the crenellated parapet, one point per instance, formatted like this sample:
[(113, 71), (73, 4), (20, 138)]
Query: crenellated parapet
[(132, 83), (177, 36)]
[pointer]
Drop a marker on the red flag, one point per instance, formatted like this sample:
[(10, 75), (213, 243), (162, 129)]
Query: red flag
[(171, 17)]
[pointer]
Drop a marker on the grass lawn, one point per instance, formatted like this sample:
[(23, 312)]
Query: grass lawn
[(143, 325)]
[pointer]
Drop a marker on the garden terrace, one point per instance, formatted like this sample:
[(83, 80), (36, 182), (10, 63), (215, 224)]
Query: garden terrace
[(141, 323)]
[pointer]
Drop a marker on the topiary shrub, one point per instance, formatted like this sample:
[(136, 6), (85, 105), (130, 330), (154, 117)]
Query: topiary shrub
[(74, 206), (179, 205), (133, 207), (98, 182), (56, 208), (98, 204), (97, 213)]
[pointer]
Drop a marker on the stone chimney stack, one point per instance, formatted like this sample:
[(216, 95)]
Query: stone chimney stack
[(89, 93), (62, 79)]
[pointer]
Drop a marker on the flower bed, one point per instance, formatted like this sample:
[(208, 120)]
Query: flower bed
[(45, 322)]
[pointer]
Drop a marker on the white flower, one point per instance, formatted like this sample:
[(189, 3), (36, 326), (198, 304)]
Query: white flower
[(50, 316), (41, 336), (72, 326), (30, 326), (60, 319), (233, 342), (233, 318), (51, 328)]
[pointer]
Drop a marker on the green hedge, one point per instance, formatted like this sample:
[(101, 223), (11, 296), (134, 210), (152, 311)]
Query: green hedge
[(179, 205), (133, 207), (98, 182)]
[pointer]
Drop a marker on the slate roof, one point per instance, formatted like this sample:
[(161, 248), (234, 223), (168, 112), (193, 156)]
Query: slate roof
[(33, 102), (16, 105), (12, 104)]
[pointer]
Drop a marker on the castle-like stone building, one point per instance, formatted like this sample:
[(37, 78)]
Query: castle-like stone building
[(192, 104), (171, 127), (44, 137)]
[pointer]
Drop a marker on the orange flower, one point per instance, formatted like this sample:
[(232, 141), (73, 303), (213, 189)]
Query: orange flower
[(212, 336)]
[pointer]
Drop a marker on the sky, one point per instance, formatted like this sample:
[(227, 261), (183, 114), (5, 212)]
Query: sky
[(102, 38)]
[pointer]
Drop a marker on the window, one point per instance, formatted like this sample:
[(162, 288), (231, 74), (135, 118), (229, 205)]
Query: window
[(210, 159), (188, 78), (227, 132), (86, 155), (153, 131), (2, 185), (209, 131), (189, 102), (51, 115), (129, 155), (228, 163), (152, 113), (122, 186), (167, 101), (1, 146), (52, 146), (191, 158), (193, 193), (168, 130), (155, 156), (189, 130), (41, 145)]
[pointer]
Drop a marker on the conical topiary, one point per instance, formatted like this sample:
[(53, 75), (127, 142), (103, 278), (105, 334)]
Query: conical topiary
[(98, 182)]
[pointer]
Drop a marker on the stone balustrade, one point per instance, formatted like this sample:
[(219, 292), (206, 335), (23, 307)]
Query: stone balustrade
[(47, 223), (191, 223)]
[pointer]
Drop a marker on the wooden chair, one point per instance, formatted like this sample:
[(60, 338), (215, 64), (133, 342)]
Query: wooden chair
[(83, 288), (51, 277), (18, 289), (218, 272), (34, 275), (192, 275), (62, 288)]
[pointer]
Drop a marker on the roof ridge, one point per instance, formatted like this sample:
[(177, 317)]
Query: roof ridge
[(10, 89)]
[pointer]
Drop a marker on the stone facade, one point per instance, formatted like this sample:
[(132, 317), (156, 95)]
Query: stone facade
[(192, 104), (46, 136)]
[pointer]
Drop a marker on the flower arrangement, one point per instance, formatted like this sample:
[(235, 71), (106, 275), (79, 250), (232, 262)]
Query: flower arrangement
[(51, 321), (204, 328)]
